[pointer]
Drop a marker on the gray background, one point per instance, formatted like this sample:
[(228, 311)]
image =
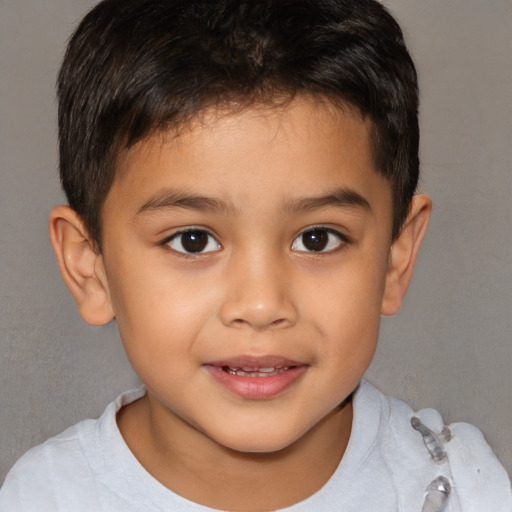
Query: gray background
[(449, 348)]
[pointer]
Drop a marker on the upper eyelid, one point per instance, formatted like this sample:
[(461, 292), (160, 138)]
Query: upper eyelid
[(334, 231), (188, 229)]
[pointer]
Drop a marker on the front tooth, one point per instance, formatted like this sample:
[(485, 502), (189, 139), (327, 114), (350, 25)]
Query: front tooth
[(255, 372)]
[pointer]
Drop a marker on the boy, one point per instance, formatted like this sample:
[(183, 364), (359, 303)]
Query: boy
[(240, 177)]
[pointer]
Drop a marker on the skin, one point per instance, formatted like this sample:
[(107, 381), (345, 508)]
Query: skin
[(257, 290)]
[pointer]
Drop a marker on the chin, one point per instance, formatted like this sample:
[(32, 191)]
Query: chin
[(257, 443)]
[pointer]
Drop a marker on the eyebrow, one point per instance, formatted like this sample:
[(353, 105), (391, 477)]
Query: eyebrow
[(172, 198), (342, 197)]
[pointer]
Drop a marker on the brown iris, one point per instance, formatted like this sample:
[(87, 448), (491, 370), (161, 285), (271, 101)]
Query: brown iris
[(315, 239), (194, 241)]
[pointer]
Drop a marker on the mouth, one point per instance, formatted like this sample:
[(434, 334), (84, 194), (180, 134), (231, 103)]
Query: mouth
[(256, 378), (256, 372)]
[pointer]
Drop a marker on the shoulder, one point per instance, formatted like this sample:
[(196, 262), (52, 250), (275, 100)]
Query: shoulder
[(33, 481), (62, 473), (479, 479), (451, 463)]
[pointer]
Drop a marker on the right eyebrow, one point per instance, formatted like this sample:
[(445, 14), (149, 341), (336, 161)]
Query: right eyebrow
[(172, 198)]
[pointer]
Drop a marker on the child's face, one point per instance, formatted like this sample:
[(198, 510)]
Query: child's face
[(246, 263)]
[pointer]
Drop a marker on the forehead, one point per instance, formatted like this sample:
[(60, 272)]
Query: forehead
[(305, 145)]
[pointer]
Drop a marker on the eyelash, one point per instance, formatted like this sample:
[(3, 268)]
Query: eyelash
[(205, 239)]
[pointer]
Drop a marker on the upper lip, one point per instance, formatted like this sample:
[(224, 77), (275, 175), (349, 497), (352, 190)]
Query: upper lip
[(269, 361)]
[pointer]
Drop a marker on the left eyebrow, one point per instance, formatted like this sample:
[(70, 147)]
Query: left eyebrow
[(343, 197)]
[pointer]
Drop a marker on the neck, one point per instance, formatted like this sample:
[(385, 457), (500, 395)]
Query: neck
[(199, 469)]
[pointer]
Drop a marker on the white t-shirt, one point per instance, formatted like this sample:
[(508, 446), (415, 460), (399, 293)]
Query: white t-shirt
[(388, 466)]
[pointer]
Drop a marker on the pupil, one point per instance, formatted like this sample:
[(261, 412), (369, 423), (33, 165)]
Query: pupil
[(194, 241), (315, 240)]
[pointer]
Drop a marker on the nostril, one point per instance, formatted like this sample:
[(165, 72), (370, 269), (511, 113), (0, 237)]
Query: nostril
[(261, 325), (258, 314), (280, 322)]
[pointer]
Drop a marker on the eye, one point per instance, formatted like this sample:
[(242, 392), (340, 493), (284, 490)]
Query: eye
[(318, 240), (193, 241)]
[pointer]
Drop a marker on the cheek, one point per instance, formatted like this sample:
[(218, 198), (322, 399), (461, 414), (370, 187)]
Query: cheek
[(345, 309), (352, 293), (159, 314)]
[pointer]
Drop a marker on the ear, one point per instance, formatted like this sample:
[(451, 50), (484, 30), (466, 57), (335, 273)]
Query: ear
[(81, 265), (404, 251)]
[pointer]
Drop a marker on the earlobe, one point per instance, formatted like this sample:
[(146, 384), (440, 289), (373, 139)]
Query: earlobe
[(404, 251), (81, 265)]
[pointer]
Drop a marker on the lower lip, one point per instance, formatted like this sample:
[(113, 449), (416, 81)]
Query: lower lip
[(256, 388)]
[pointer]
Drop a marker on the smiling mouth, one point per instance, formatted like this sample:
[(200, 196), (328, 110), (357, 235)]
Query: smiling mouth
[(256, 372), (256, 378)]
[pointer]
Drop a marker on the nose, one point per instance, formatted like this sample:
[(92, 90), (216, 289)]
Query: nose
[(258, 294)]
